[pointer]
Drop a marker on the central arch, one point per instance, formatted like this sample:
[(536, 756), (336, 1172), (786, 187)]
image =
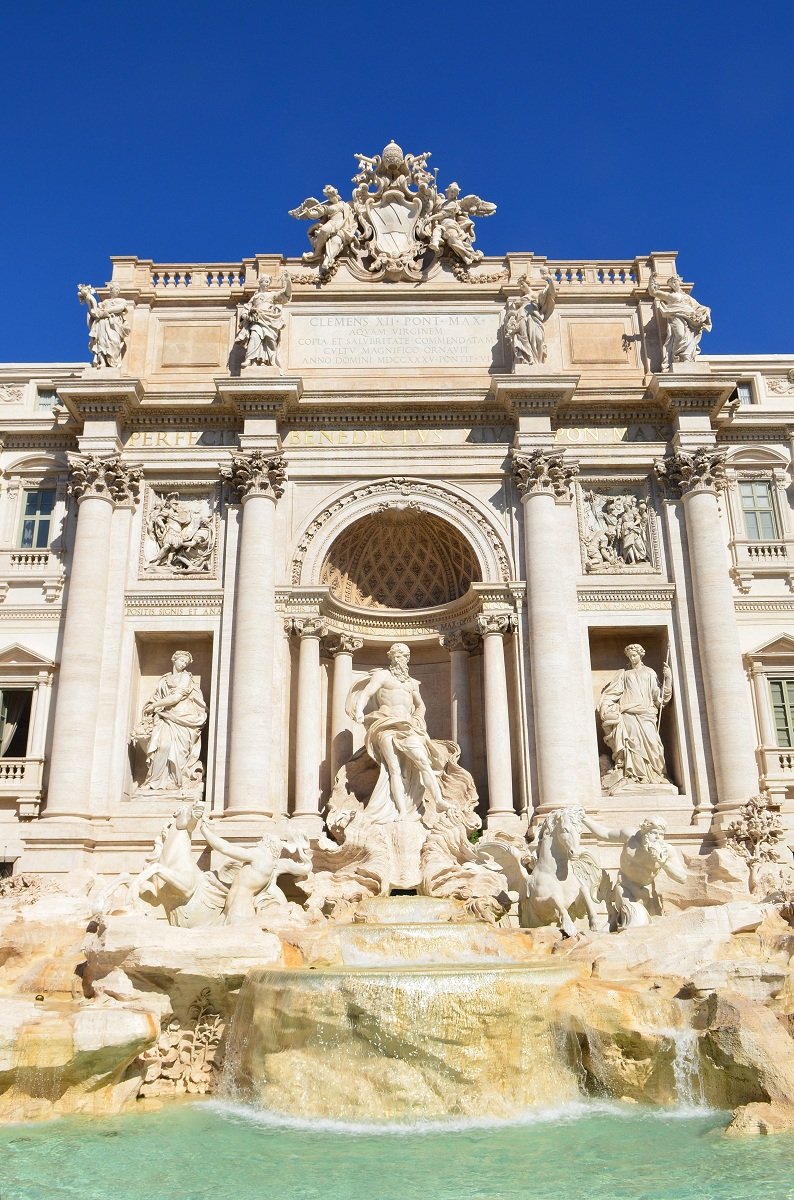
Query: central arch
[(399, 559), (470, 523)]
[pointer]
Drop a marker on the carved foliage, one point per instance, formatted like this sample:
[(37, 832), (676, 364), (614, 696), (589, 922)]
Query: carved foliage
[(184, 1060), (756, 832), (501, 623), (542, 471), (108, 478), (702, 470), (256, 474), (343, 643)]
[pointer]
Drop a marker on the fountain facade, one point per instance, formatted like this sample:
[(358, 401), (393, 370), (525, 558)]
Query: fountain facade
[(413, 736)]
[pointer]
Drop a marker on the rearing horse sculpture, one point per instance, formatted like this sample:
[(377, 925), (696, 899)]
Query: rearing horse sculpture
[(564, 883), (172, 877)]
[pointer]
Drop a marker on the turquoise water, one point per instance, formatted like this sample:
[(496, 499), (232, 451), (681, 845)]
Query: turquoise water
[(223, 1152)]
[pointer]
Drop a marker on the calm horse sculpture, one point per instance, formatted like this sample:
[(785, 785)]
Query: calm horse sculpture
[(564, 883)]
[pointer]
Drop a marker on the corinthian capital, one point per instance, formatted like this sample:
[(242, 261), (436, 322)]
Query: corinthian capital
[(256, 474), (106, 478), (542, 471), (701, 471), (500, 623)]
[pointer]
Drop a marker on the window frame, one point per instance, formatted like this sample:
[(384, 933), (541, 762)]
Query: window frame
[(37, 518)]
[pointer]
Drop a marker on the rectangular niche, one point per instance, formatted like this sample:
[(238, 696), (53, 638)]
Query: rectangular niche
[(151, 661), (606, 659)]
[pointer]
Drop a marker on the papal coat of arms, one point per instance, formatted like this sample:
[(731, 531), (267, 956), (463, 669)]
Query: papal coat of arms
[(396, 222)]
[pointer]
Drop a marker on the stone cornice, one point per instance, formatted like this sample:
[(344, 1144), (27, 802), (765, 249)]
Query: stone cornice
[(691, 391), (260, 392), (101, 396), (532, 391)]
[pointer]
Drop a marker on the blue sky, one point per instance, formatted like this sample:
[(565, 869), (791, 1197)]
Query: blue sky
[(185, 131)]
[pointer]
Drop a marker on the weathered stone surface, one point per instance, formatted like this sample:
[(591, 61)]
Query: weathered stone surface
[(67, 1058), (679, 945), (372, 1044), (179, 962), (746, 1054), (758, 1118)]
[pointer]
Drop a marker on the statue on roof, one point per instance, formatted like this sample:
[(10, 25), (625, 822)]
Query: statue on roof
[(685, 320), (396, 223)]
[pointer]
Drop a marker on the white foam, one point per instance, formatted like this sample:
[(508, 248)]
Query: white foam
[(574, 1111)]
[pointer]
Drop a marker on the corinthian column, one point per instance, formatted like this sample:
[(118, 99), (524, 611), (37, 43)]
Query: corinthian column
[(308, 728), (558, 686), (493, 627), (97, 483), (341, 650), (258, 480), (698, 477)]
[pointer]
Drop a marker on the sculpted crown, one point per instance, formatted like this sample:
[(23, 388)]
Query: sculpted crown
[(396, 223), (256, 474), (106, 478), (541, 471), (703, 470)]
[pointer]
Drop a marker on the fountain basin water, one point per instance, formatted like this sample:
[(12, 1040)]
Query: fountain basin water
[(376, 1043)]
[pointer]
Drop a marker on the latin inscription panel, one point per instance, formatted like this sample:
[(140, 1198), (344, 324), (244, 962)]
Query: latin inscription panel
[(437, 339)]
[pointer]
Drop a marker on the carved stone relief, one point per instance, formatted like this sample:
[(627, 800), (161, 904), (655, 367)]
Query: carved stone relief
[(617, 529), (184, 1059), (180, 534), (781, 386)]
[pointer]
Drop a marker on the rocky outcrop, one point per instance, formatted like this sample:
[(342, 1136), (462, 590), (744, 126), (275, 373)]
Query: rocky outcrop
[(69, 1059)]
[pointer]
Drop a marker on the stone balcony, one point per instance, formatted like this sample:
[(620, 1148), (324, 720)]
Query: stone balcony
[(26, 567), (20, 781), (761, 560)]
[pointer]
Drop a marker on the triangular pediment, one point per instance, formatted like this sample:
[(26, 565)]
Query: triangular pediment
[(16, 655), (781, 647)]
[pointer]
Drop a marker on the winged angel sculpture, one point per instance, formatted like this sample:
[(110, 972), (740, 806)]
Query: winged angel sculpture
[(395, 221)]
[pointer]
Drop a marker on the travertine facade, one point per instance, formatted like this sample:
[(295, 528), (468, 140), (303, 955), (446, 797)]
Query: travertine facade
[(515, 466)]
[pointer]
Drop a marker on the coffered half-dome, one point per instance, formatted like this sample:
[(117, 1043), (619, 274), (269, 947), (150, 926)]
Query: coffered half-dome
[(399, 558)]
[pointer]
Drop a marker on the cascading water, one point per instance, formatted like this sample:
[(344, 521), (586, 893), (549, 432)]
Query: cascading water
[(686, 1068)]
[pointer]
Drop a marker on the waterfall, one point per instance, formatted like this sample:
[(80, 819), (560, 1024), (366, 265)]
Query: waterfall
[(686, 1068)]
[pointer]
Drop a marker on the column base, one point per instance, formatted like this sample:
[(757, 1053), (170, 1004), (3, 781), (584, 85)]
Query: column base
[(309, 823), (515, 823)]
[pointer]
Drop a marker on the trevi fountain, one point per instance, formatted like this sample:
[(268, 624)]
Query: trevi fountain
[(396, 779)]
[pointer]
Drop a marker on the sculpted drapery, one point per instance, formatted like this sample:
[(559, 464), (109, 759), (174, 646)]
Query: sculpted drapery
[(172, 722), (629, 711)]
